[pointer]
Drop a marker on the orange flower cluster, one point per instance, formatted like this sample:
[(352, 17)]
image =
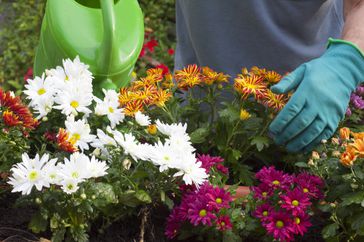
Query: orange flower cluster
[(193, 75), (256, 82), (154, 89), (354, 143), (14, 112), (64, 142)]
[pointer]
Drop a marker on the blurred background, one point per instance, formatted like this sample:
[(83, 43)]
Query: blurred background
[(20, 23)]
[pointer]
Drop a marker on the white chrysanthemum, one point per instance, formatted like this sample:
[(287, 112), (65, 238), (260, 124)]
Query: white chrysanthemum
[(96, 168), (169, 129), (75, 168), (72, 102), (163, 156), (192, 171), (29, 173), (39, 89), (76, 69), (110, 107), (79, 132), (51, 172), (43, 106), (103, 140), (142, 119), (69, 185), (180, 142), (130, 146)]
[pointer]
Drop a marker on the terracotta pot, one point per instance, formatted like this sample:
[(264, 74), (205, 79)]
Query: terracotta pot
[(241, 191)]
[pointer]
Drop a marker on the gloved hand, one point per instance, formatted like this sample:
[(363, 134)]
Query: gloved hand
[(322, 93)]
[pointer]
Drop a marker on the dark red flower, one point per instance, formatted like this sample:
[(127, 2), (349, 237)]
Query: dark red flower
[(223, 223), (171, 51), (164, 68)]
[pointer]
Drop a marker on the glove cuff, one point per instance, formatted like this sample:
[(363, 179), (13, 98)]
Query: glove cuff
[(346, 50), (341, 41)]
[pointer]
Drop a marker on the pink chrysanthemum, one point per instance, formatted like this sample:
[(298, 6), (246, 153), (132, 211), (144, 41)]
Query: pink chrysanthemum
[(199, 213), (209, 162), (173, 223), (301, 223), (223, 223), (218, 198), (263, 212), (273, 178), (295, 201), (279, 225), (263, 191), (310, 184)]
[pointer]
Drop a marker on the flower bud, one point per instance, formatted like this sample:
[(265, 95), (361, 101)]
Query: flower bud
[(244, 115), (336, 153), (83, 196), (335, 141), (344, 133), (152, 129), (315, 155), (127, 164), (310, 162), (38, 200)]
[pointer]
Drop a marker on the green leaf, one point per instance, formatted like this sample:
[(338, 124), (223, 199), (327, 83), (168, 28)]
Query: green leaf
[(38, 223), (58, 235), (260, 142), (330, 230), (301, 164), (357, 223), (230, 236), (104, 194), (355, 197), (143, 196), (199, 135)]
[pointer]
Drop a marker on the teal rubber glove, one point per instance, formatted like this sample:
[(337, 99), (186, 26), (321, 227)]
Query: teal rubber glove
[(322, 93)]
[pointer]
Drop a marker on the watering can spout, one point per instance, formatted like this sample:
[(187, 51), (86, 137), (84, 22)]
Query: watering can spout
[(106, 48)]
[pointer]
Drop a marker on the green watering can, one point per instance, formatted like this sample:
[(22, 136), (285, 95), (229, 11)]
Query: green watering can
[(107, 35)]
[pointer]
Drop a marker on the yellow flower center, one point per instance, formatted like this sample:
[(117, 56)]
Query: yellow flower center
[(52, 176), (305, 190), (75, 104), (275, 182), (67, 78), (265, 213), (264, 194), (111, 110), (218, 200), (279, 224), (295, 203), (222, 224), (41, 91), (202, 213), (297, 220), (152, 129), (75, 137), (70, 186), (166, 158), (75, 174), (33, 175)]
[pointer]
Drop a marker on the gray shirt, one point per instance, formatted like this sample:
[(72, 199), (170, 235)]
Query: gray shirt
[(227, 35)]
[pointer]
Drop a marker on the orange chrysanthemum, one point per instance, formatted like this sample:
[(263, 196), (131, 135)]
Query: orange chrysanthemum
[(188, 77), (358, 135), (168, 81), (133, 107), (16, 113), (358, 147), (124, 96), (344, 133), (156, 73), (250, 85), (10, 119), (161, 97), (272, 77), (258, 71), (210, 77), (275, 101), (64, 142), (348, 157)]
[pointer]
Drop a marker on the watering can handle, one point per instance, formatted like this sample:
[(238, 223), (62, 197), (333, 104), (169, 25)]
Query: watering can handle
[(108, 16)]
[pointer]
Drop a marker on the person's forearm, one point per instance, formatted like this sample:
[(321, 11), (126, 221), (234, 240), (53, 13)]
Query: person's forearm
[(354, 22)]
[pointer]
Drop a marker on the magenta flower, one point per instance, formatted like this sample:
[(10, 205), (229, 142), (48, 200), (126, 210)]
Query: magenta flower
[(357, 101), (360, 91), (263, 191), (273, 178), (295, 201), (222, 169), (218, 198), (301, 222), (199, 213), (223, 223), (310, 184), (208, 161), (279, 225), (263, 212), (173, 223)]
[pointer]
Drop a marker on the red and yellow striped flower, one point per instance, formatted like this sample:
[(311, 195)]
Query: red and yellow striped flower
[(65, 142), (188, 77), (15, 113), (275, 101), (250, 86)]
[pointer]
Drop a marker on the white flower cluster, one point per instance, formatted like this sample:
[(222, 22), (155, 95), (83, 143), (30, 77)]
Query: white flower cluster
[(42, 172), (175, 153), (67, 88)]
